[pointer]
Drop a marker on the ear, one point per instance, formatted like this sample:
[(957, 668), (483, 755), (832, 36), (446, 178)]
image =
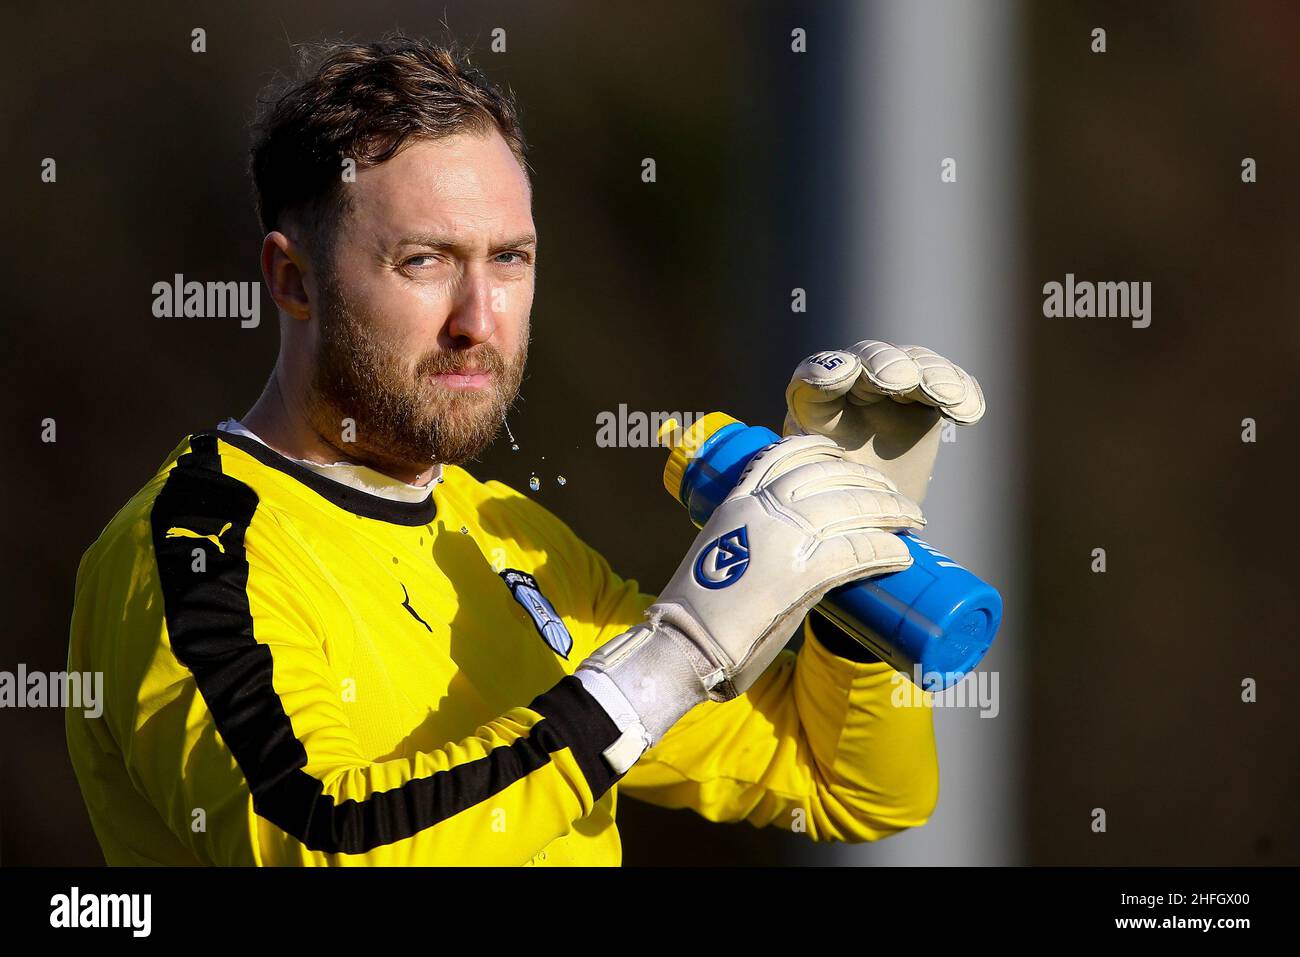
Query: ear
[(284, 264)]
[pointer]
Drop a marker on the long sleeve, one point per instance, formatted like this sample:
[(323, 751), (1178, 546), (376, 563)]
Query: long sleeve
[(816, 745)]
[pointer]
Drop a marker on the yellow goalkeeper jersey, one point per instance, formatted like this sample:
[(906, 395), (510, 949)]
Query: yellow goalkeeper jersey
[(300, 672)]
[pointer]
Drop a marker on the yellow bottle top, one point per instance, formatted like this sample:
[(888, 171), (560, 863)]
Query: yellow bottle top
[(684, 443)]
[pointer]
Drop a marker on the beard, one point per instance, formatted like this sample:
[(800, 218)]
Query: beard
[(405, 420)]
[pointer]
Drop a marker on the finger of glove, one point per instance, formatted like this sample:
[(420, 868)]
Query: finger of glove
[(815, 395), (863, 554), (887, 371), (946, 386), (849, 508), (813, 477), (783, 456), (972, 409)]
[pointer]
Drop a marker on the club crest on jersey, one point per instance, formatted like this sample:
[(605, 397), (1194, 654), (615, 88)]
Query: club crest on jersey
[(549, 625), (722, 561)]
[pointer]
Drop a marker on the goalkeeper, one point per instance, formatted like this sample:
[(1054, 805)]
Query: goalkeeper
[(325, 642)]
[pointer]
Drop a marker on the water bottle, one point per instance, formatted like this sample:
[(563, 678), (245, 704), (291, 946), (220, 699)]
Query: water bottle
[(933, 621)]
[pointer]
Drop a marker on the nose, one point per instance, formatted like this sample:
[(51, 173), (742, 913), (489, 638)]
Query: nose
[(473, 320)]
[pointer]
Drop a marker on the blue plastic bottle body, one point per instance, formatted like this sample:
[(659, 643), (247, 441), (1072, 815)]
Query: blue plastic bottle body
[(933, 621)]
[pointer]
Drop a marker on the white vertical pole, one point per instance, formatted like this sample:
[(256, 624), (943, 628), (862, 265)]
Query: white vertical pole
[(940, 262)]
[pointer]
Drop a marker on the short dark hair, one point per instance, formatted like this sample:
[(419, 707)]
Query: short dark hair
[(364, 102)]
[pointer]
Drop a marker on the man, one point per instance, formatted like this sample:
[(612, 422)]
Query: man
[(325, 642)]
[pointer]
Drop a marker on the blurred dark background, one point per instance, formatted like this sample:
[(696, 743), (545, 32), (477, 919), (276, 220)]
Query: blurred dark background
[(776, 170)]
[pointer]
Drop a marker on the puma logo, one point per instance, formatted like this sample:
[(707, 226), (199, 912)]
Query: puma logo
[(406, 603), (176, 532)]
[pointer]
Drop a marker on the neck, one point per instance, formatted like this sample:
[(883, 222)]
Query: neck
[(284, 425)]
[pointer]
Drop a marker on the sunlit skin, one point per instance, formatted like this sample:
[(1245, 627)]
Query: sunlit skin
[(420, 331)]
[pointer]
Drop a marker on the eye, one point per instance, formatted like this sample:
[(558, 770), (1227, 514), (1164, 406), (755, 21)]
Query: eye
[(417, 261), (519, 258)]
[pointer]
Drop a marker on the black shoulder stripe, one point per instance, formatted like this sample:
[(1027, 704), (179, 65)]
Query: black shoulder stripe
[(344, 496), (211, 630)]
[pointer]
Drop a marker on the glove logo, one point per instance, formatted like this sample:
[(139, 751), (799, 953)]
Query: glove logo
[(722, 561), (827, 360), (549, 625)]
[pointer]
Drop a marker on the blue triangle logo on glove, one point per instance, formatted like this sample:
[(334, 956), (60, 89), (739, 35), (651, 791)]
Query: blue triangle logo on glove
[(722, 561)]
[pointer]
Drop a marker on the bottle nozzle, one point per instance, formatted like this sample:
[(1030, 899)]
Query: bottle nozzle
[(670, 434), (684, 443)]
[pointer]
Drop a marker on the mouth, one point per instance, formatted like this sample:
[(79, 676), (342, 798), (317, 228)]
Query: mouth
[(462, 380)]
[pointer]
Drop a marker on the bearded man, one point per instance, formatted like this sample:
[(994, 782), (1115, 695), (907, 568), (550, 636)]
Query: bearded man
[(325, 642)]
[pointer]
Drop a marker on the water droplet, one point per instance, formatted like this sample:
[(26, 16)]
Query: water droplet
[(561, 479), (464, 530), (534, 483), (514, 446)]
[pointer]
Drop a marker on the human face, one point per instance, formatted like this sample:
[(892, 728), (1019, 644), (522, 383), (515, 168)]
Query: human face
[(425, 307)]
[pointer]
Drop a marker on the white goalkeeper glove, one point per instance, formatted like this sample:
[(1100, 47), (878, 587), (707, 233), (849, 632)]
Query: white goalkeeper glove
[(800, 521), (884, 405)]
